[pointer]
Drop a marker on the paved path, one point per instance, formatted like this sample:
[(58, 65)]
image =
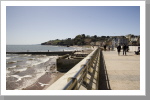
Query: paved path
[(123, 71)]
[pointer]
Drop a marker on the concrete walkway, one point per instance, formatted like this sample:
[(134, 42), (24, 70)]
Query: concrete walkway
[(123, 71)]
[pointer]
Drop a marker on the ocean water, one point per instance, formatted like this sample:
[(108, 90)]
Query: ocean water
[(39, 48), (23, 70)]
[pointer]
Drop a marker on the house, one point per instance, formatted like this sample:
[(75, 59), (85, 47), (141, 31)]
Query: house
[(119, 40), (133, 39)]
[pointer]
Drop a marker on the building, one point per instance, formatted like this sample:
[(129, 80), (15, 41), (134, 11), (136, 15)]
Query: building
[(119, 40), (133, 39)]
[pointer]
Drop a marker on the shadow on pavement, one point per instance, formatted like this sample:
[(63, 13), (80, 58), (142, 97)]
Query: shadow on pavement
[(103, 77)]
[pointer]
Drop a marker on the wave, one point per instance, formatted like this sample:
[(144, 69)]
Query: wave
[(26, 55), (19, 78), (8, 57), (7, 71), (38, 61), (11, 67), (11, 62), (34, 65), (20, 70), (31, 59)]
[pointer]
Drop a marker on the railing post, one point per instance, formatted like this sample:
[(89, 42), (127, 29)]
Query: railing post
[(87, 67), (74, 84)]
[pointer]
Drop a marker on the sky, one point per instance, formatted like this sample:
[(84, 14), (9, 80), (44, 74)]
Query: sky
[(38, 24)]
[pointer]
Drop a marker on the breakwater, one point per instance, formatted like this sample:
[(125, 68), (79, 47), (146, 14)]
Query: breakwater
[(47, 53), (66, 62)]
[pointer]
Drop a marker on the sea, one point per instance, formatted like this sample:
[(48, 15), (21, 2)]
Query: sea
[(22, 70)]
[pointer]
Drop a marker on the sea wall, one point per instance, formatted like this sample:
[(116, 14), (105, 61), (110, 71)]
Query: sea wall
[(47, 53), (64, 65), (131, 48)]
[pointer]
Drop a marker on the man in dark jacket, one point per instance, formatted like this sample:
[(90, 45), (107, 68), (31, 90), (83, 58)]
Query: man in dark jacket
[(124, 49)]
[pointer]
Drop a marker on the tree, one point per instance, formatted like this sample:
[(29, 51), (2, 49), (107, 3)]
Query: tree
[(103, 36), (88, 36), (83, 35), (108, 37), (77, 40), (95, 36)]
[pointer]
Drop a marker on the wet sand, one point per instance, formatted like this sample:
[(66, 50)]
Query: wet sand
[(47, 79)]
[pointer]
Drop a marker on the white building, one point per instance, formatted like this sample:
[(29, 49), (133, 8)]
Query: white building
[(120, 40)]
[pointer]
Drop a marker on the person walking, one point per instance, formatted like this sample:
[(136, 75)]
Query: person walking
[(124, 49), (119, 49), (104, 47)]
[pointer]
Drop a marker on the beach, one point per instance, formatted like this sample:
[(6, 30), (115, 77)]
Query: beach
[(32, 72), (47, 79)]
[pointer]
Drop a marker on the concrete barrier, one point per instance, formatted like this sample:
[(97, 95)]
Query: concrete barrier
[(85, 73), (64, 65), (64, 56), (133, 48)]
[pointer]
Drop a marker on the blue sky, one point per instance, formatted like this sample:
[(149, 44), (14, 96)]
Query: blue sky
[(37, 24)]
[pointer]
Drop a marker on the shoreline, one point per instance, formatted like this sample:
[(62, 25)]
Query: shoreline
[(47, 79)]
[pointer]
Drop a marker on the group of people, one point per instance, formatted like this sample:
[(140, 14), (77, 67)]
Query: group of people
[(109, 47), (125, 49)]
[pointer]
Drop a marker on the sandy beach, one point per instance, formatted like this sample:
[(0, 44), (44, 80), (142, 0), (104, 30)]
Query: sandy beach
[(47, 79)]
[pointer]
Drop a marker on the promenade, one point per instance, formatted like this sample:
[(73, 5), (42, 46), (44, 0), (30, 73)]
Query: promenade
[(123, 72), (107, 71)]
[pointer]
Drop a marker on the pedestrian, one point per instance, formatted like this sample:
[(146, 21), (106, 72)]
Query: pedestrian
[(119, 49), (104, 47), (124, 49), (138, 49)]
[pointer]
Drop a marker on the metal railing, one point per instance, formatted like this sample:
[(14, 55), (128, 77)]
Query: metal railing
[(91, 66)]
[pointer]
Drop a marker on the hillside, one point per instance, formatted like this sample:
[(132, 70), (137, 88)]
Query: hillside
[(78, 40)]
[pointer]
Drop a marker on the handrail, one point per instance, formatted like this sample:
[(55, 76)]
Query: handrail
[(75, 76), (73, 81)]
